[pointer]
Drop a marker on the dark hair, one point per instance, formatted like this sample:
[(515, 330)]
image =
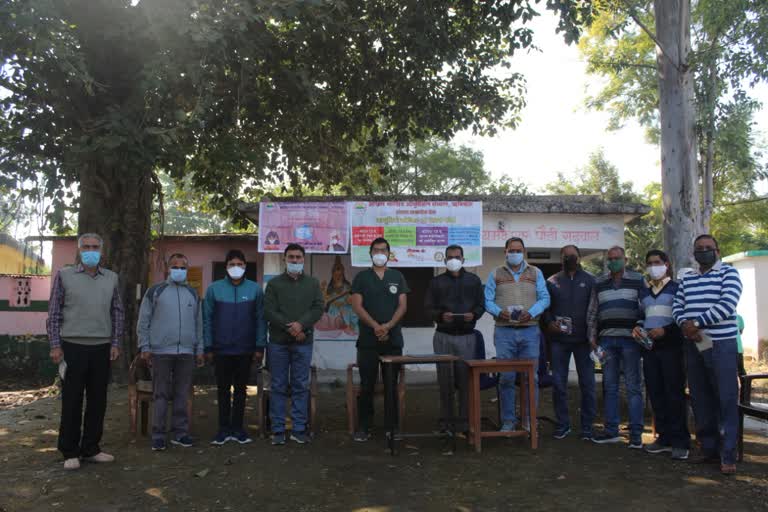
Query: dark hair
[(616, 248), (709, 237), (514, 239), (454, 247), (234, 254), (563, 248), (294, 247), (664, 257), (378, 241), (179, 256), (656, 252)]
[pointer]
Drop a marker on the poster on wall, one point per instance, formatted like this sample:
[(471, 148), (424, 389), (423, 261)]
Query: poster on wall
[(339, 322), (318, 227), (418, 231)]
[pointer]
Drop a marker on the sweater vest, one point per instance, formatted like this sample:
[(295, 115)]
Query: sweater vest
[(87, 309), (516, 293)]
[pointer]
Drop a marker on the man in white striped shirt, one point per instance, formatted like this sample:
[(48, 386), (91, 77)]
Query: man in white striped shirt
[(705, 309)]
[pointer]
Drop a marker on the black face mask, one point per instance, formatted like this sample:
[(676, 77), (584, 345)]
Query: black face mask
[(706, 258), (571, 262)]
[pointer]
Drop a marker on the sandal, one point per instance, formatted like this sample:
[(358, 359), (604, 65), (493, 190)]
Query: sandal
[(728, 469)]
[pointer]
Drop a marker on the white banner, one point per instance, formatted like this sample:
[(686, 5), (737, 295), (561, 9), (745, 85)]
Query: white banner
[(554, 230)]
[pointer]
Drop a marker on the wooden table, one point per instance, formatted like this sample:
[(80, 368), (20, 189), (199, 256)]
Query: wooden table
[(527, 393), (388, 373)]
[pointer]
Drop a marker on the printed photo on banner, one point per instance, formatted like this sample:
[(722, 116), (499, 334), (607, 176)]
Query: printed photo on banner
[(339, 322), (418, 231), (318, 227)]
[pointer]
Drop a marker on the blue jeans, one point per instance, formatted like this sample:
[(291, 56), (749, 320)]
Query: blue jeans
[(512, 343), (623, 354), (291, 361), (712, 377), (585, 368)]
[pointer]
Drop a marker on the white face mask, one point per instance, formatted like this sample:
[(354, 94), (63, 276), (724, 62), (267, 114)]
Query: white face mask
[(657, 272), (380, 259), (236, 272), (453, 264)]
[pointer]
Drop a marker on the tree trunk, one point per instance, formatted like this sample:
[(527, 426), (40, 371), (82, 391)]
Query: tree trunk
[(708, 181), (116, 202), (679, 176)]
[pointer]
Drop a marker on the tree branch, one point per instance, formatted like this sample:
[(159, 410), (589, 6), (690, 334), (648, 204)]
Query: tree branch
[(633, 14), (623, 64)]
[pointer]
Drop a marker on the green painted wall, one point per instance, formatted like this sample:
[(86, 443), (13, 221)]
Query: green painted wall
[(26, 357)]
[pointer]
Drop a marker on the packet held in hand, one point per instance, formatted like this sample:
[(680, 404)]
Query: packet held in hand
[(705, 343), (565, 324), (599, 356), (514, 312), (62, 370), (644, 340)]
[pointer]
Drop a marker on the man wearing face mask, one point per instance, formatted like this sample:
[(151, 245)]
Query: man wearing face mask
[(379, 300), (293, 303), (85, 323), (455, 302), (571, 327), (705, 310), (663, 366), (516, 295), (235, 335), (170, 332), (618, 310)]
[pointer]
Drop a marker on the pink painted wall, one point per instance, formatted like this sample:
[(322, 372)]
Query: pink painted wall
[(201, 253), (21, 321)]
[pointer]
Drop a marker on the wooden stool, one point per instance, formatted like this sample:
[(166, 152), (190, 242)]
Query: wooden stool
[(140, 394), (263, 381), (353, 391)]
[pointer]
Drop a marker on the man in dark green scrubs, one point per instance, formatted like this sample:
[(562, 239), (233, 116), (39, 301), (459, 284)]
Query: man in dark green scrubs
[(379, 300)]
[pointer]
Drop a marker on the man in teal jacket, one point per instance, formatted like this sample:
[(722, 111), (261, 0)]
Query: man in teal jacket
[(235, 334)]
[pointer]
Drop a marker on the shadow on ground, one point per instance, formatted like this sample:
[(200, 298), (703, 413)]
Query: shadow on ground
[(335, 474)]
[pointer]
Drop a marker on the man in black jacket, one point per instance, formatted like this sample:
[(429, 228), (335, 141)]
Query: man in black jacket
[(455, 301), (571, 330)]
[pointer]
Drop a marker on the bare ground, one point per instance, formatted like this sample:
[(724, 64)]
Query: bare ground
[(335, 474)]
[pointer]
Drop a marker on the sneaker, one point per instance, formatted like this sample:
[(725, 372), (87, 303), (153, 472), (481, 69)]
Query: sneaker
[(300, 437), (635, 444), (679, 453), (606, 438), (100, 457), (586, 436), (158, 445), (657, 447), (508, 426), (184, 441), (278, 439), (241, 437), (221, 438), (72, 464), (562, 433), (361, 436)]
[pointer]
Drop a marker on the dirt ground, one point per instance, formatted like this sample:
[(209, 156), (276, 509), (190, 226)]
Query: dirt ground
[(335, 474)]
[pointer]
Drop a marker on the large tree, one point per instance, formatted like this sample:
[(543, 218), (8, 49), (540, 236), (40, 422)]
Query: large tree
[(223, 93), (657, 72)]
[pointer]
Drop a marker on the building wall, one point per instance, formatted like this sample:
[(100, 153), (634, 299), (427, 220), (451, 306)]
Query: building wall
[(748, 305), (13, 262)]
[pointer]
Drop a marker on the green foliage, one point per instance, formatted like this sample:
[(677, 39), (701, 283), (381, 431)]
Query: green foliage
[(599, 177), (185, 211)]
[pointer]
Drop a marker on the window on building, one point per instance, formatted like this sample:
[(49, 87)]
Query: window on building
[(220, 270), (418, 280), (21, 293)]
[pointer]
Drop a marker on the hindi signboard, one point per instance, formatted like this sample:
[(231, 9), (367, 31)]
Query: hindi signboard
[(417, 231), (318, 227)]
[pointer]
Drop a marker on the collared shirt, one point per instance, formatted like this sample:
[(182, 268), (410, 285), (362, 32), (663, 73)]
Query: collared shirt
[(56, 305), (542, 294), (710, 298), (455, 294)]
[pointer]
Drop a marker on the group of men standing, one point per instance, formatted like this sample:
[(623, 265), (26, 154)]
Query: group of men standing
[(620, 319)]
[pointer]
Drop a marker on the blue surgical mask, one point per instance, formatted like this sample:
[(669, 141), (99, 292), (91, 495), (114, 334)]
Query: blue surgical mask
[(178, 275), (514, 258), (90, 258), (295, 268)]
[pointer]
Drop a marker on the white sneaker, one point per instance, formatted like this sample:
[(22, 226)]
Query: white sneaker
[(100, 457), (71, 464)]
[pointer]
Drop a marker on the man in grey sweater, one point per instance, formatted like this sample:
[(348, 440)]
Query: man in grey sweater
[(170, 332), (85, 323)]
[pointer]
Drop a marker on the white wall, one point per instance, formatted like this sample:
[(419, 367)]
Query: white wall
[(748, 305)]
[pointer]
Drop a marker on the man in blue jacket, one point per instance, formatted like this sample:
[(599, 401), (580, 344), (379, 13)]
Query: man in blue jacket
[(235, 334), (170, 331)]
